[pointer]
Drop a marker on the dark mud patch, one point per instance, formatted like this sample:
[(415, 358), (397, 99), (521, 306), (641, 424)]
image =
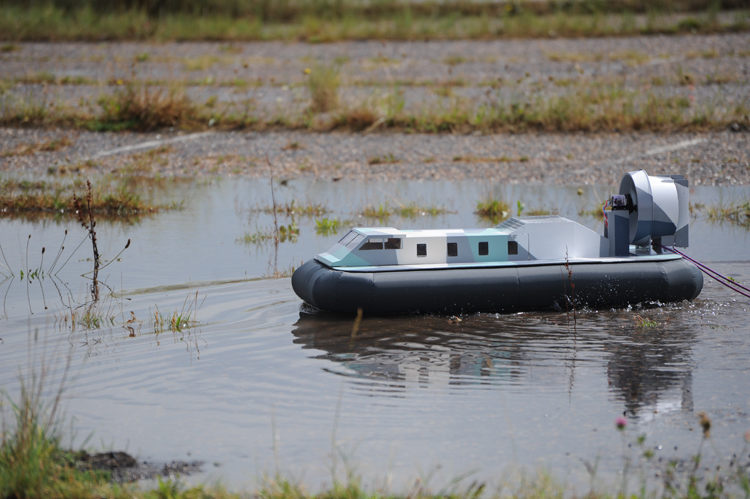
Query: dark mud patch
[(125, 468)]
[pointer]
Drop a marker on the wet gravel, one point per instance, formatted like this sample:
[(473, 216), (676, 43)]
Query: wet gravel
[(564, 159), (269, 77)]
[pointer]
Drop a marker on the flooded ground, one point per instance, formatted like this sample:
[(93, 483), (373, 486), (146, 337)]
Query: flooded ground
[(261, 383)]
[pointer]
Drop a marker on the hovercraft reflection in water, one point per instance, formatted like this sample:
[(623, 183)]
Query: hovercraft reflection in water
[(646, 372), (529, 263)]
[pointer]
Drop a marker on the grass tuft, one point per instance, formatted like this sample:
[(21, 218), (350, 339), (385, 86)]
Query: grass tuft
[(388, 159), (176, 322), (357, 118), (144, 108), (33, 463), (323, 84)]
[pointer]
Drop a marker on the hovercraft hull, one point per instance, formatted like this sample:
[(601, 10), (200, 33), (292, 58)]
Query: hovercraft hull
[(509, 288)]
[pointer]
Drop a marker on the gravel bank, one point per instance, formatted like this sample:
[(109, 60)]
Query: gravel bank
[(718, 67), (267, 78), (471, 61), (564, 159)]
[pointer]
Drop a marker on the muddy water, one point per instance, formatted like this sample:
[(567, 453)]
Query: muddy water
[(261, 383)]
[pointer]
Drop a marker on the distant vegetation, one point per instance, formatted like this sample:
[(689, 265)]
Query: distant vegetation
[(331, 20), (289, 10), (294, 10)]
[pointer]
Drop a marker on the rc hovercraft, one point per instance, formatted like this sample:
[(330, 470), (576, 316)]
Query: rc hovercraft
[(522, 264)]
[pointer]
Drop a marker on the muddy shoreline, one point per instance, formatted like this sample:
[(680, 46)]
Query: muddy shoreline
[(125, 468)]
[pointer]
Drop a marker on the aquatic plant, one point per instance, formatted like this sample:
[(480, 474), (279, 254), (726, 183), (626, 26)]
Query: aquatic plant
[(288, 233), (282, 234), (645, 321), (492, 208), (536, 212), (85, 212), (177, 321), (174, 322), (381, 211), (327, 226), (309, 209), (56, 197), (274, 272), (736, 213), (412, 210), (259, 236), (595, 212)]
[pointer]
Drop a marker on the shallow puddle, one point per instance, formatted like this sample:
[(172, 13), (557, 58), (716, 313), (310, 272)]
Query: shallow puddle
[(261, 383)]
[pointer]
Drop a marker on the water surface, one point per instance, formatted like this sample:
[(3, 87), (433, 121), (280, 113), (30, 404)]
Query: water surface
[(263, 382)]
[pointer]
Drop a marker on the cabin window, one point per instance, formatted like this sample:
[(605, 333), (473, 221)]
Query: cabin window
[(347, 238), (421, 250), (374, 243), (393, 243), (355, 242), (452, 249), (512, 248), (484, 248)]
